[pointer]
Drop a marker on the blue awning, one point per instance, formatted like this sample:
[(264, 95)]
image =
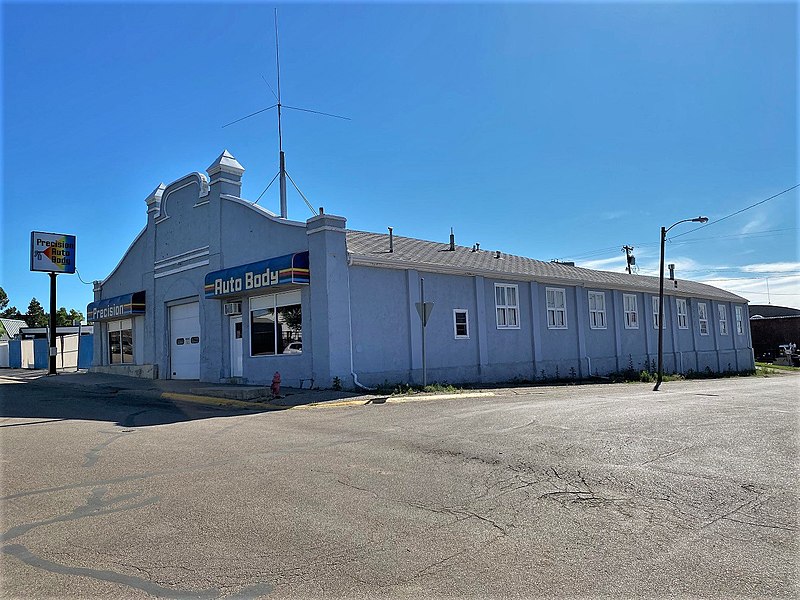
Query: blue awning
[(118, 307), (288, 269)]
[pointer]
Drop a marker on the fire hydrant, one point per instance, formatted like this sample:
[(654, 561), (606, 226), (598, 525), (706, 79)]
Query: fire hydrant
[(276, 385)]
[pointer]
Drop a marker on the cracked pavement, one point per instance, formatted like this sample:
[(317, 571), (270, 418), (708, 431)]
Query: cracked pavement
[(574, 491)]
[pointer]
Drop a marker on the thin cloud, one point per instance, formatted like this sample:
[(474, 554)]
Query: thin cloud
[(776, 267), (603, 264), (755, 224)]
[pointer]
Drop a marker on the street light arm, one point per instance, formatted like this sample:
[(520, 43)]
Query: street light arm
[(695, 220)]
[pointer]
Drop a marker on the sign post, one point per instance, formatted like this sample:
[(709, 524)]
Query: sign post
[(424, 309), (52, 253)]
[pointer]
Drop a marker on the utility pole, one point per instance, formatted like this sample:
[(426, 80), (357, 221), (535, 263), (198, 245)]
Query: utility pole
[(629, 258)]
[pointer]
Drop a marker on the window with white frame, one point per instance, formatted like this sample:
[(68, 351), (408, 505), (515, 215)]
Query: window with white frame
[(739, 320), (597, 310), (656, 314), (702, 317), (276, 324), (631, 312), (556, 308), (722, 311), (461, 324), (507, 305), (683, 313)]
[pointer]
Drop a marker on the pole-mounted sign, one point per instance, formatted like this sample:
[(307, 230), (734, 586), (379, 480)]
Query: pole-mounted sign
[(52, 253)]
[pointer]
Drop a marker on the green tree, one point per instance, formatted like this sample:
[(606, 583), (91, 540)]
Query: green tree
[(66, 318), (36, 317), (62, 318), (8, 312)]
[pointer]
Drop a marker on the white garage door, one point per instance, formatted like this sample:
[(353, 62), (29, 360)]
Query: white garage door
[(184, 327)]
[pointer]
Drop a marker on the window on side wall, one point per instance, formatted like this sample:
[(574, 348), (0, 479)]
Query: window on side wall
[(120, 342), (556, 308), (506, 299), (276, 324), (461, 324), (739, 320), (722, 311), (656, 313), (597, 310), (683, 315), (631, 313), (702, 317)]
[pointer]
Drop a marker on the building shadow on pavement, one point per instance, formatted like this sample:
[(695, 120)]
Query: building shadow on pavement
[(34, 395)]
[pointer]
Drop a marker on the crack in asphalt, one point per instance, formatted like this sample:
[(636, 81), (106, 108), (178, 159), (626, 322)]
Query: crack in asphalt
[(154, 589)]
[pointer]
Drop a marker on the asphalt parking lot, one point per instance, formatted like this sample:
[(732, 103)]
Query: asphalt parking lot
[(577, 491)]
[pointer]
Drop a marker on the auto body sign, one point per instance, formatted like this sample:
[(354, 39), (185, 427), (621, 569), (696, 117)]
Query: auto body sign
[(52, 252)]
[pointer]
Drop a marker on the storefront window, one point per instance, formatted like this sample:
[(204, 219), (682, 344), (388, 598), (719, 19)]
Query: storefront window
[(276, 324), (120, 342)]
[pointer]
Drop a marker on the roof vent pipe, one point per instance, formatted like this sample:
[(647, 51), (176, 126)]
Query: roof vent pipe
[(452, 241), (477, 246), (671, 272), (391, 239), (322, 210), (497, 254)]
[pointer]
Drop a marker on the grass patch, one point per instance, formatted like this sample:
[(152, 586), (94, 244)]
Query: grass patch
[(773, 367), (406, 389)]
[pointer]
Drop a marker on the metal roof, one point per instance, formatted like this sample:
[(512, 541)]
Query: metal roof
[(12, 326), (372, 249)]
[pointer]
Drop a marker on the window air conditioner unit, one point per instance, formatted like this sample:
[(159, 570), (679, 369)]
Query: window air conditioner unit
[(233, 308)]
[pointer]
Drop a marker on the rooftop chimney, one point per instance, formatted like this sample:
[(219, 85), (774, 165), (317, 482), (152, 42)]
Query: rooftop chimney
[(452, 241)]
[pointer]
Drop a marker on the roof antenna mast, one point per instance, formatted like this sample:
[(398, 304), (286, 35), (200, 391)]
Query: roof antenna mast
[(282, 157), (282, 174)]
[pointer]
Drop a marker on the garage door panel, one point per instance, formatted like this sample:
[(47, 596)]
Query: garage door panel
[(185, 341)]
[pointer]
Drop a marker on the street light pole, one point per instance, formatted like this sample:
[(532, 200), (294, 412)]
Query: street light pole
[(664, 231)]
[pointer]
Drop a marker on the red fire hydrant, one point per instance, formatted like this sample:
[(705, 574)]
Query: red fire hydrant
[(276, 385)]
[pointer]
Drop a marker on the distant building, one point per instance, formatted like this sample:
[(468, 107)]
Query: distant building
[(217, 288), (771, 327), (10, 328)]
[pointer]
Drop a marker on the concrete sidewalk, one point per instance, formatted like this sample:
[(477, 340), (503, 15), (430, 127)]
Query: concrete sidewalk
[(217, 394)]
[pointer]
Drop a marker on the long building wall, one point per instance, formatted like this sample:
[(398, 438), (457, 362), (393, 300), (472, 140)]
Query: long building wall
[(387, 336)]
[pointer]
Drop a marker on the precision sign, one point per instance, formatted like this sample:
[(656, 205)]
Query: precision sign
[(52, 252)]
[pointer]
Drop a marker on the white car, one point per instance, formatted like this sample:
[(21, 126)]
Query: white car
[(294, 348)]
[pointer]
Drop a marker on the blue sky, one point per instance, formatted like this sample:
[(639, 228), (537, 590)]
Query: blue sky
[(545, 130)]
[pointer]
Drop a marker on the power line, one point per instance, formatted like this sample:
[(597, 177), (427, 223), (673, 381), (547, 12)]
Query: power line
[(754, 278), (81, 278), (738, 212), (600, 251)]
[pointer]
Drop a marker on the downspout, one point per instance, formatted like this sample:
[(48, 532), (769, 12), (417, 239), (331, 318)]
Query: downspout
[(350, 325)]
